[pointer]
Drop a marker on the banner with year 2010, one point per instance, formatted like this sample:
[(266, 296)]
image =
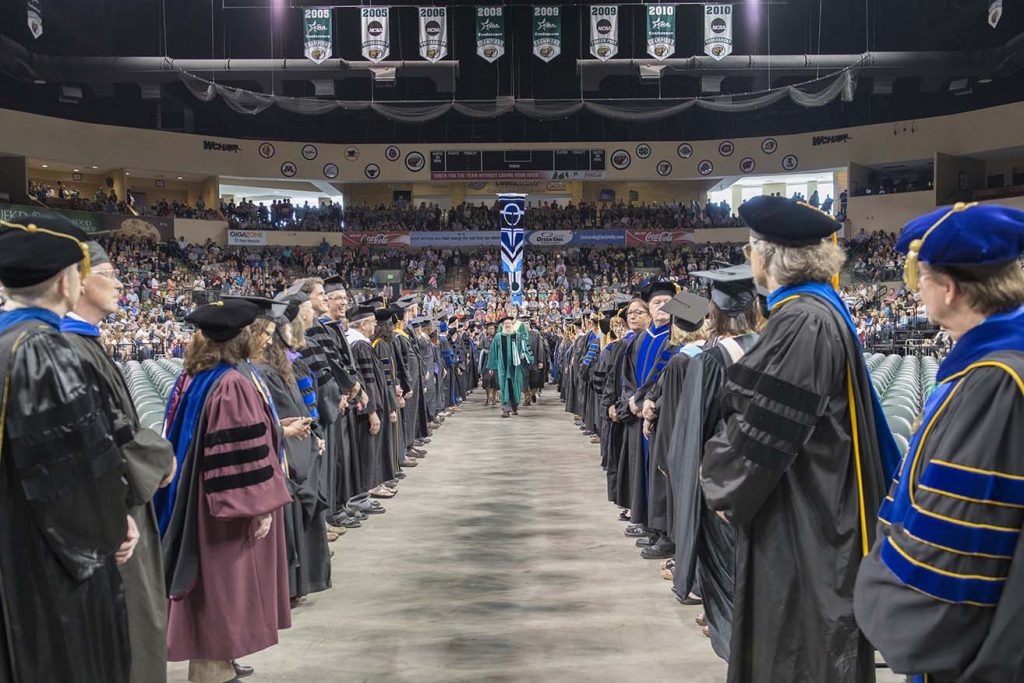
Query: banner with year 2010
[(376, 32), (490, 32), (604, 31), (718, 31), (661, 31), (433, 33), (547, 32), (318, 34), (513, 241)]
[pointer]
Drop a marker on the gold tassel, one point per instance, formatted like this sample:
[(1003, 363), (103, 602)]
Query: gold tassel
[(911, 268)]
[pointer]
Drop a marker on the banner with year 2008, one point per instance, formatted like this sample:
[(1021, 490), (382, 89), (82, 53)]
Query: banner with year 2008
[(376, 32), (490, 32)]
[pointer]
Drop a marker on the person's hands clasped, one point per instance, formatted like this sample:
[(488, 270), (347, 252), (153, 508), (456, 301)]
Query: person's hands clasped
[(393, 417), (650, 410), (297, 427), (127, 547), (374, 424), (261, 526)]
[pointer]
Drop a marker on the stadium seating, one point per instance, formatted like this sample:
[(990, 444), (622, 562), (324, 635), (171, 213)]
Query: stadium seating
[(150, 383)]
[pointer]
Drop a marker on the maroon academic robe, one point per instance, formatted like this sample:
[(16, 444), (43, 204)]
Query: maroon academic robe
[(240, 598)]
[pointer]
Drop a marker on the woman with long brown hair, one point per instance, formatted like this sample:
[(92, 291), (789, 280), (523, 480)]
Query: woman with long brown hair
[(224, 539)]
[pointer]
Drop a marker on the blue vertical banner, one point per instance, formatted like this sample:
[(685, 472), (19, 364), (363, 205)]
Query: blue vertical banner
[(513, 242)]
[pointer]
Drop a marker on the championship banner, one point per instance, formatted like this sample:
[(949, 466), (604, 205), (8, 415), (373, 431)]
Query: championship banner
[(661, 31), (318, 34), (513, 242), (490, 32), (433, 33), (376, 36), (35, 18), (604, 31), (547, 32), (718, 30)]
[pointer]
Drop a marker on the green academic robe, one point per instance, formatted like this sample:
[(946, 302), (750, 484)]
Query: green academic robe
[(509, 357)]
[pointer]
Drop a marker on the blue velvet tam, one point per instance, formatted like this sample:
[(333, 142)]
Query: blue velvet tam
[(965, 235), (442, 327)]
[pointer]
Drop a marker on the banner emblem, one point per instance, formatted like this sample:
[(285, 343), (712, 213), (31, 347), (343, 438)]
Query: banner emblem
[(376, 33), (433, 33), (35, 18), (604, 31), (661, 31), (490, 32), (718, 31), (547, 32), (318, 30)]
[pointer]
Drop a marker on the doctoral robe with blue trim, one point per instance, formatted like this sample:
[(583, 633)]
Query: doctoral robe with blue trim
[(942, 593)]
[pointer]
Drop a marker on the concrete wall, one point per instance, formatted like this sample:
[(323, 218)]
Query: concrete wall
[(887, 212), (198, 232)]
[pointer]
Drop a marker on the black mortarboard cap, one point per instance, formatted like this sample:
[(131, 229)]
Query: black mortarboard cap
[(35, 248), (333, 284), (732, 288), (688, 309), (360, 312), (786, 221), (270, 309), (503, 319), (224, 320), (659, 287), (386, 313)]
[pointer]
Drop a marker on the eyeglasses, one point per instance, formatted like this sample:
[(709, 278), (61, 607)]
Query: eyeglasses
[(636, 312), (109, 274)]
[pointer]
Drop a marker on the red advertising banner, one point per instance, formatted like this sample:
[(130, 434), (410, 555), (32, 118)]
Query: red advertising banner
[(656, 238), (395, 240)]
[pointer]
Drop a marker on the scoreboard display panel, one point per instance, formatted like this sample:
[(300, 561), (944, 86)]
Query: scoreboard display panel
[(561, 164)]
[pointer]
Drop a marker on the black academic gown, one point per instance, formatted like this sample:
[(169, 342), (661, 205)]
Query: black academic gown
[(320, 355), (538, 369), (394, 376), (611, 395), (411, 412), (372, 450), (785, 472), (148, 460), (309, 558), (62, 517), (932, 617)]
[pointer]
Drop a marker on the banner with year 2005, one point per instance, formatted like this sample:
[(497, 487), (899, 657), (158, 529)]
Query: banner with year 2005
[(661, 31), (433, 33), (547, 32), (490, 32), (317, 34), (376, 32), (604, 31), (718, 31)]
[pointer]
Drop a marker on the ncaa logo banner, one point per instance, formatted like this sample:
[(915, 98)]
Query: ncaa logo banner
[(718, 30), (604, 31), (661, 31), (318, 32), (490, 33), (376, 32), (433, 33), (547, 32), (513, 241)]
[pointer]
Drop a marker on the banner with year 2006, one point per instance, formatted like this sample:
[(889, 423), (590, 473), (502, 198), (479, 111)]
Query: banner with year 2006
[(547, 32), (661, 31), (490, 32), (376, 32), (317, 34), (433, 33), (718, 31), (604, 31)]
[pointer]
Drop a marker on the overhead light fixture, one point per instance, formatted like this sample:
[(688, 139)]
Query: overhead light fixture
[(126, 173), (75, 170), (180, 178), (94, 167), (45, 166)]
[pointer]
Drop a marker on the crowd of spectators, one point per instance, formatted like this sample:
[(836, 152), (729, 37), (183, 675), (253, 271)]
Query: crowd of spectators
[(68, 196), (885, 185), (873, 257)]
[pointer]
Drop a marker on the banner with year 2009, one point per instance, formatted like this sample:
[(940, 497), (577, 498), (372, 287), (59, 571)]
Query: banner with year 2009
[(317, 33), (490, 32), (547, 32), (433, 33), (604, 31), (376, 32), (661, 31), (718, 31)]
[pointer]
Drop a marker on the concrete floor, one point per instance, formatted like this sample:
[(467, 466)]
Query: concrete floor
[(499, 560)]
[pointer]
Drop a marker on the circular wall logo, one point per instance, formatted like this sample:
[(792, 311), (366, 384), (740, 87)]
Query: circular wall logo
[(705, 167), (790, 162), (718, 25), (620, 159), (433, 28), (288, 169), (414, 162), (375, 28), (331, 171), (604, 27), (685, 150), (392, 153), (266, 150), (643, 150), (309, 152), (747, 165), (372, 171), (768, 145), (351, 153), (726, 148), (664, 168)]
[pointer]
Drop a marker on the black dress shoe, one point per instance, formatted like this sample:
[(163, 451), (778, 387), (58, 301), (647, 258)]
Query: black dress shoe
[(687, 600), (241, 670), (399, 475), (647, 541), (624, 516), (636, 531), (376, 511), (659, 551)]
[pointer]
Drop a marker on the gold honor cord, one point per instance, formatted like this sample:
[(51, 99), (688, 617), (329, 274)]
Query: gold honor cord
[(911, 272), (33, 228)]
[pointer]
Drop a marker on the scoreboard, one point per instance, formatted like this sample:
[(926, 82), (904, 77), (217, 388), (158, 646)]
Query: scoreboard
[(550, 164)]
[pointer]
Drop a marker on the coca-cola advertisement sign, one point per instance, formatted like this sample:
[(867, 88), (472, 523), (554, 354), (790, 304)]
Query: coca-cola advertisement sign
[(375, 239), (654, 238)]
